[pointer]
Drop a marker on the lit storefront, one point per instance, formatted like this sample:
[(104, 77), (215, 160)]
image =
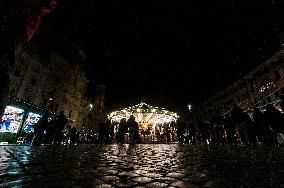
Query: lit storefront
[(30, 121), (12, 119), (152, 121), (18, 120)]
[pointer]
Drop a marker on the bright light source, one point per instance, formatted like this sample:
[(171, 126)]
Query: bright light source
[(189, 106), (91, 106), (50, 99), (151, 115)]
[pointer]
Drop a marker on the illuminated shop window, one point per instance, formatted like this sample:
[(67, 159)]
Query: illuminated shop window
[(30, 121), (11, 119)]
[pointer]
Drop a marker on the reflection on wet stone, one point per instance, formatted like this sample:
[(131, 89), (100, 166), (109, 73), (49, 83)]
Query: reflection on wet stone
[(156, 185), (142, 180), (176, 175), (141, 166)]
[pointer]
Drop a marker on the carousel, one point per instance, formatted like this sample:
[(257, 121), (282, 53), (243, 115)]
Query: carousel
[(152, 121)]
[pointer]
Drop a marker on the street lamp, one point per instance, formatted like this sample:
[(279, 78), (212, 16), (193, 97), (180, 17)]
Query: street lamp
[(91, 106), (189, 106)]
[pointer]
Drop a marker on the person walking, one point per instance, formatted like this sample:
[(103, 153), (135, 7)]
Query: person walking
[(275, 120), (73, 135), (61, 121), (122, 129), (133, 130), (168, 134), (262, 130), (242, 122), (104, 132), (50, 131), (181, 127), (39, 129)]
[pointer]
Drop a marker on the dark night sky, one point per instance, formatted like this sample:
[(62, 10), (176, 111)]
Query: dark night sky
[(169, 52)]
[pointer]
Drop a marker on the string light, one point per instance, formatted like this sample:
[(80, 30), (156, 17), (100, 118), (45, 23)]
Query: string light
[(189, 106), (145, 114), (267, 87)]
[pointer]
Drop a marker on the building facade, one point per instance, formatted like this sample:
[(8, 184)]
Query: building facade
[(47, 80), (263, 85), (97, 112)]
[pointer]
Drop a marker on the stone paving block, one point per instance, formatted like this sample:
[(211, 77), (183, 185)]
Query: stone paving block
[(125, 184), (153, 175), (176, 175), (105, 186), (156, 185), (128, 174), (109, 179), (183, 184), (111, 171), (142, 179)]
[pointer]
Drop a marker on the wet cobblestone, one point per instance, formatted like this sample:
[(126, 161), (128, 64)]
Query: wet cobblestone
[(150, 165)]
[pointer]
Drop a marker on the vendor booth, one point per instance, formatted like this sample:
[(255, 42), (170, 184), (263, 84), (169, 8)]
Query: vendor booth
[(18, 120)]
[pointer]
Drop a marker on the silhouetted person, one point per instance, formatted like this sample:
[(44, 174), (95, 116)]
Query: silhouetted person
[(202, 128), (168, 134), (262, 130), (181, 128), (230, 131), (104, 132), (122, 130), (274, 119), (101, 131), (73, 135), (111, 127), (133, 130), (109, 131), (50, 131), (242, 122), (60, 122), (192, 133), (89, 138), (39, 129), (218, 130)]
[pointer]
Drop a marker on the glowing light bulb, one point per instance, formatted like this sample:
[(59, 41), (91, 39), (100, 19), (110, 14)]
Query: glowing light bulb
[(189, 106)]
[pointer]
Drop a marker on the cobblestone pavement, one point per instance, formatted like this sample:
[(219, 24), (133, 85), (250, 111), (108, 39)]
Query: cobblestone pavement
[(141, 166)]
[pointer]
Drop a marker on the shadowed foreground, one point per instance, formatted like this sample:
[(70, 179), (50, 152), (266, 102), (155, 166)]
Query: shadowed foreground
[(141, 166)]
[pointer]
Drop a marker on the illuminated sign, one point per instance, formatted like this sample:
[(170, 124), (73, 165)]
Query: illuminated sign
[(12, 119), (30, 121)]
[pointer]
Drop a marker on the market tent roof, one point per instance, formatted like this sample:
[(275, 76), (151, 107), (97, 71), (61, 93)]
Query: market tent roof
[(27, 106)]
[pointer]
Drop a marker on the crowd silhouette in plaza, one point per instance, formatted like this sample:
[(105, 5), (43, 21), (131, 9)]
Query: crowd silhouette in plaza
[(235, 128), (57, 131), (52, 130)]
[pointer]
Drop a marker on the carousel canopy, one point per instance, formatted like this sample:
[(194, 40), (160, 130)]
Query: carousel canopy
[(144, 114)]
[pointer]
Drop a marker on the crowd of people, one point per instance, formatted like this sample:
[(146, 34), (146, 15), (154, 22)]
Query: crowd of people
[(128, 125), (57, 131), (50, 131), (236, 128)]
